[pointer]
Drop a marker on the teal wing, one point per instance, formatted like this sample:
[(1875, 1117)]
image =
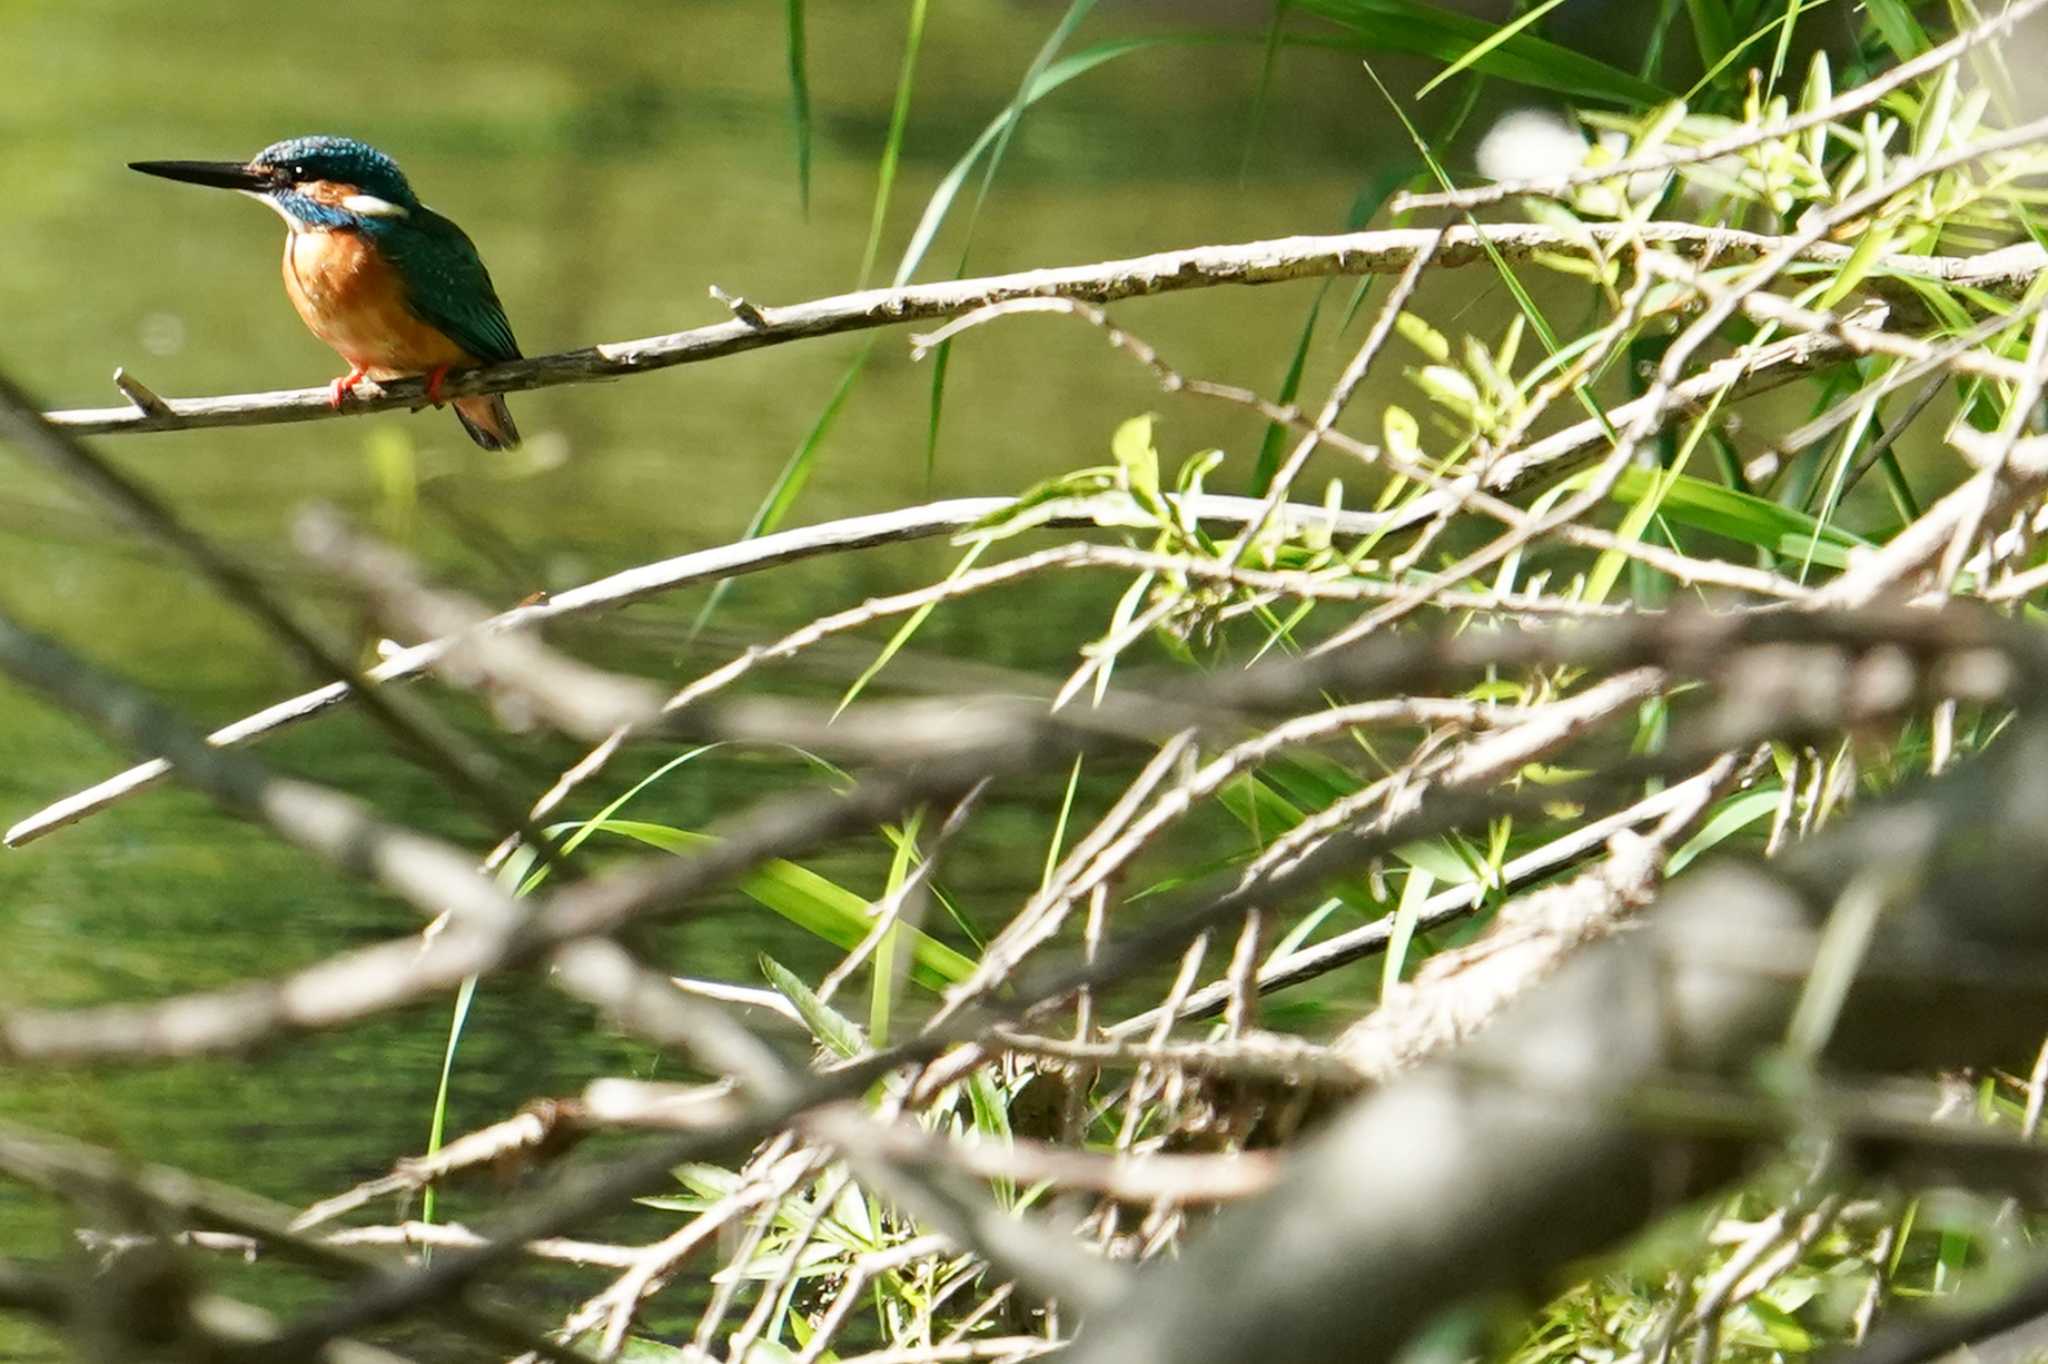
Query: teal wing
[(447, 285)]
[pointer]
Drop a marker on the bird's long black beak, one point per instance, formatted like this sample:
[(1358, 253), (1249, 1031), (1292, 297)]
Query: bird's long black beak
[(217, 174)]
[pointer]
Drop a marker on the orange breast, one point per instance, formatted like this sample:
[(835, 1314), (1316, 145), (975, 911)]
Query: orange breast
[(353, 300)]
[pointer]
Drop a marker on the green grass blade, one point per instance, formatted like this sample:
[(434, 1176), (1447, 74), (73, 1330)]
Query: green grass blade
[(1734, 53), (1050, 79), (892, 145), (789, 483), (1608, 567), (1523, 299), (1413, 892), (1276, 440), (1058, 842), (1736, 814), (882, 968), (819, 906), (1409, 26), (992, 1120), (1895, 23), (1275, 27), (1784, 47), (1077, 10), (942, 359), (439, 1127), (800, 101), (906, 630), (1474, 54), (1738, 516), (1713, 29)]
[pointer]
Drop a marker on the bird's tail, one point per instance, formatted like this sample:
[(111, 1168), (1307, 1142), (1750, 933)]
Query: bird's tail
[(488, 421)]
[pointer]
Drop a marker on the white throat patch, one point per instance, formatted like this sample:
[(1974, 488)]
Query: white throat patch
[(370, 206)]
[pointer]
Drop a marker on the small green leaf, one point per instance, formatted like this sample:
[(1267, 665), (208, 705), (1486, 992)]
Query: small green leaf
[(1735, 815), (1413, 892), (1423, 337), (1439, 859), (834, 1030), (1450, 388), (1402, 433), (1136, 456)]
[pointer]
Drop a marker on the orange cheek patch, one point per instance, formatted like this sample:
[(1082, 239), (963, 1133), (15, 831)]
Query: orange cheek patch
[(329, 192)]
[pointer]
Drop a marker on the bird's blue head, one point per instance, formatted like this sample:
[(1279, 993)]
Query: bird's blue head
[(313, 181), (338, 161)]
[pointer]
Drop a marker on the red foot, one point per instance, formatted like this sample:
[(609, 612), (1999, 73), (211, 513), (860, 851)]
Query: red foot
[(342, 387), (434, 378)]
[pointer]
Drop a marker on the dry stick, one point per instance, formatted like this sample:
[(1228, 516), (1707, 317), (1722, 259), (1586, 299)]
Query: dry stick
[(943, 1187), (592, 1190), (27, 1290), (1075, 555), (366, 981), (1856, 331), (1653, 163), (460, 767), (1261, 262), (1552, 455), (508, 1143), (432, 876), (1445, 907), (522, 677), (1752, 1267), (1272, 1057), (999, 1349), (1340, 395), (769, 1176), (1123, 834), (1663, 391), (649, 580), (1016, 939), (1311, 585), (1183, 1176), (1449, 494), (453, 1235), (1184, 918), (82, 1173), (1458, 991), (1941, 356), (1919, 544), (2019, 411), (775, 1292), (853, 1288), (1486, 759), (890, 912)]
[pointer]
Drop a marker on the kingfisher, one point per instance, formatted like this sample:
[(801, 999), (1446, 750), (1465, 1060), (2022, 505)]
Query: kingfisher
[(391, 285)]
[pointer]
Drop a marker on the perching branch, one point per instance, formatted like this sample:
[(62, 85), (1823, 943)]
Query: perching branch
[(1383, 252)]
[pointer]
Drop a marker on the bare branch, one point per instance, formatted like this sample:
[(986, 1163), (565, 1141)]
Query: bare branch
[(649, 580), (1264, 262)]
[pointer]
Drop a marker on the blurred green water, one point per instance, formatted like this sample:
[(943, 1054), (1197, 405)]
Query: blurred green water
[(612, 160)]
